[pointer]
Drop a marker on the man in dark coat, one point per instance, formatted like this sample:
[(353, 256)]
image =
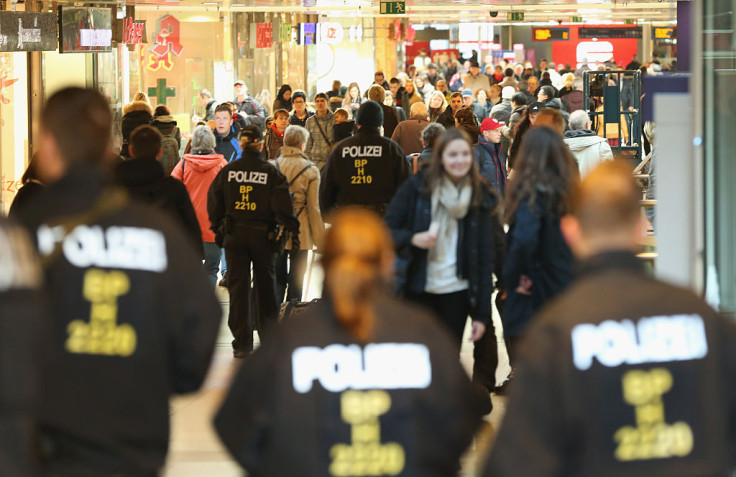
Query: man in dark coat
[(622, 374), (490, 156), (447, 118), (245, 105), (390, 116)]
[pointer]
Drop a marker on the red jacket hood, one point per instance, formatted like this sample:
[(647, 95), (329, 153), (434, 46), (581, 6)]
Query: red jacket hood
[(203, 162)]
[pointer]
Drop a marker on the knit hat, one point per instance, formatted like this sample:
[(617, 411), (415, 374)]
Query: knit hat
[(507, 92), (370, 115), (490, 124)]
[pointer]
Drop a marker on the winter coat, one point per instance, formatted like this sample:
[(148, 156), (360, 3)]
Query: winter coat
[(588, 148), (253, 111), (473, 132), (428, 408), (480, 233), (293, 119), (146, 181), (480, 81), (586, 382), (135, 322), (573, 101), (492, 164), (305, 196), (343, 130), (482, 111), (447, 118), (509, 81), (228, 146), (537, 249), (199, 170), (25, 195), (166, 125), (408, 134), (390, 120), (319, 145), (135, 114), (502, 111), (273, 142), (509, 131)]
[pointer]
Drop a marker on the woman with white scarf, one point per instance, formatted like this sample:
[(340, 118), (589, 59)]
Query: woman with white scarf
[(448, 236)]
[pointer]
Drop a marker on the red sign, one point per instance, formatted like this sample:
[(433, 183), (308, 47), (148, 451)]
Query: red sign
[(619, 50), (264, 35), (133, 31), (167, 44)]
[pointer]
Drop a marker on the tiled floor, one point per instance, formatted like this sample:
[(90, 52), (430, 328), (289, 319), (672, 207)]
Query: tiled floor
[(195, 449)]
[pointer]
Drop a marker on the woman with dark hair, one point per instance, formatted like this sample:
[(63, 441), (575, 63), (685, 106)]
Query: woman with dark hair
[(358, 371), (283, 98), (465, 119), (301, 113), (538, 261), (352, 99), (527, 121), (445, 229), (32, 186)]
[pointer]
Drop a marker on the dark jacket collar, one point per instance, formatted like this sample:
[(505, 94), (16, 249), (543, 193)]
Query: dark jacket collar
[(135, 172), (618, 260)]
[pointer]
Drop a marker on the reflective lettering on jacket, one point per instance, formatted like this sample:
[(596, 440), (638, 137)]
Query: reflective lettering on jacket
[(362, 151), (655, 339), (377, 366), (129, 248), (248, 177)]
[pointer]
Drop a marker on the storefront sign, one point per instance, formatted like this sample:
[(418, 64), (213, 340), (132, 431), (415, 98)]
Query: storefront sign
[(393, 8), (167, 44), (285, 33), (307, 34), (331, 33), (550, 34), (134, 32), (263, 33), (161, 92), (663, 33), (85, 30), (21, 31)]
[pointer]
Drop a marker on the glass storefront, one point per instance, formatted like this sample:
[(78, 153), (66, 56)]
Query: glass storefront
[(13, 124), (719, 104)]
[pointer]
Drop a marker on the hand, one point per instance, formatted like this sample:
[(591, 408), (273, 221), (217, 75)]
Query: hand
[(525, 286), (426, 240), (478, 330)]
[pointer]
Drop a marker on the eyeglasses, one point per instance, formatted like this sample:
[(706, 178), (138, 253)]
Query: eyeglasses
[(298, 101)]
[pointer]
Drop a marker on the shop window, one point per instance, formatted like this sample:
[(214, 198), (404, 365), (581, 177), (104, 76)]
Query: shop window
[(13, 124)]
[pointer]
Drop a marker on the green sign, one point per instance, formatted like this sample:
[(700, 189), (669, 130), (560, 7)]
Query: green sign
[(285, 32), (161, 92), (516, 16), (577, 20), (629, 21), (393, 8)]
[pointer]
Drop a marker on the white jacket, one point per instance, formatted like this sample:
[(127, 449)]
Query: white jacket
[(588, 148)]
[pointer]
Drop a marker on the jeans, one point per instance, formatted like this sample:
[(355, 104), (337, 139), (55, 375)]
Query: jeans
[(211, 261), (294, 277), (223, 263)]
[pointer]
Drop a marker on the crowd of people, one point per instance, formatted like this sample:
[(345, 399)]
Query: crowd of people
[(423, 202)]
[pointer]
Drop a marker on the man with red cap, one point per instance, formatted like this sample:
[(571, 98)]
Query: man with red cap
[(490, 156)]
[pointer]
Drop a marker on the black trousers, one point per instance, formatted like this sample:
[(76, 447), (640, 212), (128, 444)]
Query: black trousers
[(485, 359), (290, 268), (241, 250), (452, 309)]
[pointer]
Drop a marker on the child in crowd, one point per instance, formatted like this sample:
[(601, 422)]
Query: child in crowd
[(343, 127), (275, 134)]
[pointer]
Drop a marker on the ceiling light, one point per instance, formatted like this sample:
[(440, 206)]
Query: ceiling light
[(210, 3)]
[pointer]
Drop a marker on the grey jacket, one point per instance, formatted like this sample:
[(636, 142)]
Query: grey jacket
[(588, 148)]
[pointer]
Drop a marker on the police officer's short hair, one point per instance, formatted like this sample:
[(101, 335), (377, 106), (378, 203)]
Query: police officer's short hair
[(431, 133), (224, 107), (145, 141), (295, 136), (80, 122), (203, 139), (377, 93)]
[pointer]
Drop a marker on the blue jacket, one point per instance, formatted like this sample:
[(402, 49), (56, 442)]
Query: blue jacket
[(492, 163), (537, 249), (228, 146), (480, 242)]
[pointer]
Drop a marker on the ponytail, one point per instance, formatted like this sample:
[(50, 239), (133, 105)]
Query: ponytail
[(357, 260)]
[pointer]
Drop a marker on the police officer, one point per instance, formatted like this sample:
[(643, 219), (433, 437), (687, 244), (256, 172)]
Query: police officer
[(247, 201), (360, 384), (22, 334), (365, 169), (621, 375), (133, 317)]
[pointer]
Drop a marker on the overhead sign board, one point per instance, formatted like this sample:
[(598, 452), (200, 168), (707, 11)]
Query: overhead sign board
[(515, 16), (393, 8), (663, 33), (85, 30), (577, 19), (550, 34), (27, 31), (588, 33)]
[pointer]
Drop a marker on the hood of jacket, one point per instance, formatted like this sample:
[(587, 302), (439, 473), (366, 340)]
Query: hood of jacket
[(553, 103), (202, 162), (166, 118), (137, 172), (581, 139), (137, 106)]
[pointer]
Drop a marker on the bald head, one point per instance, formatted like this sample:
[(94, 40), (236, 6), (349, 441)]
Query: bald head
[(605, 214)]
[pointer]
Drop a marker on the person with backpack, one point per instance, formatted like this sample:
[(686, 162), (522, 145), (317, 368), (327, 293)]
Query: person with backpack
[(254, 113), (320, 126), (170, 137), (303, 178), (250, 211)]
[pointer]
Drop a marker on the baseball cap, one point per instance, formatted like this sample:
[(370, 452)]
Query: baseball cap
[(490, 124), (467, 93), (507, 92), (237, 82)]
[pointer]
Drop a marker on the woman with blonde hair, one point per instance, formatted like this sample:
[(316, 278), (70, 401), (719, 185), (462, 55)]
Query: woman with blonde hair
[(357, 365), (567, 86), (437, 105)]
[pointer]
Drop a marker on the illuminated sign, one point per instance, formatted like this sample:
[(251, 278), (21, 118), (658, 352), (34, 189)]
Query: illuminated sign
[(82, 30), (307, 34), (550, 34), (594, 51), (356, 33), (262, 35), (663, 33), (285, 32), (331, 33), (609, 32), (167, 44), (133, 32), (25, 31)]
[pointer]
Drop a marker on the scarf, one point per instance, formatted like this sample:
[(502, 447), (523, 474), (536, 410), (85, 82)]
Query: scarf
[(279, 134), (450, 203)]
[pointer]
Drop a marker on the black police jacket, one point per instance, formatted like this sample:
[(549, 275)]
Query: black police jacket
[(22, 339), (299, 404), (133, 321), (250, 192), (480, 245), (621, 375), (365, 169)]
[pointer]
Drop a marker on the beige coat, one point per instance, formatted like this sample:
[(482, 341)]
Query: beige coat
[(305, 193)]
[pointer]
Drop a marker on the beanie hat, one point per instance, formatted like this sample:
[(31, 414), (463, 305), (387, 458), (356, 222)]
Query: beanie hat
[(370, 115)]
